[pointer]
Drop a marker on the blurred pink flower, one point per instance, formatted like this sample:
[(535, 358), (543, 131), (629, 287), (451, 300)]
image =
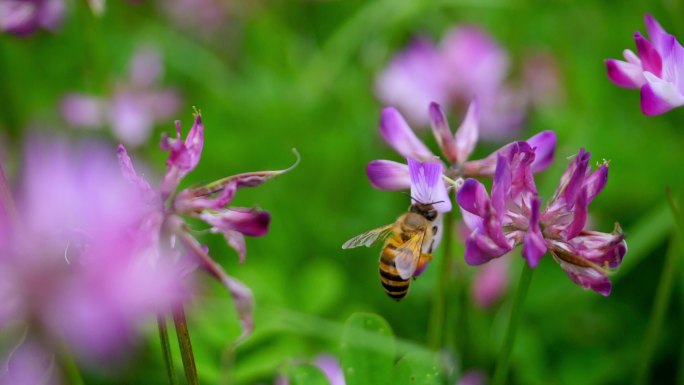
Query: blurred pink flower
[(204, 16), (491, 282), (468, 65), (472, 377), (24, 17), (75, 261), (135, 106)]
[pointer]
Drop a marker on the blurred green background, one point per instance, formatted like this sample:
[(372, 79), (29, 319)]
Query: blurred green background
[(299, 74)]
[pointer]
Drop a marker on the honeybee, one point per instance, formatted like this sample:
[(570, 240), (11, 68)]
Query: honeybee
[(408, 247)]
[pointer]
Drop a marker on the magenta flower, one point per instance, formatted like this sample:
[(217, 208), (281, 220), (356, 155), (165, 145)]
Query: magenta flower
[(512, 216), (167, 208), (657, 69), (74, 259), (135, 106), (468, 65), (24, 17), (456, 149)]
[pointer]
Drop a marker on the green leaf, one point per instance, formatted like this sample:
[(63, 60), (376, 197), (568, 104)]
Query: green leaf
[(367, 350), (417, 368), (307, 375)]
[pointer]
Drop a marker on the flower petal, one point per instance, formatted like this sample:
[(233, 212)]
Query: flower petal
[(625, 74), (129, 172), (656, 33), (467, 133), (658, 96), (253, 223), (442, 132), (596, 182), (544, 145), (399, 135), (490, 282), (82, 110), (650, 58), (388, 175), (184, 155), (534, 246), (427, 185), (472, 197)]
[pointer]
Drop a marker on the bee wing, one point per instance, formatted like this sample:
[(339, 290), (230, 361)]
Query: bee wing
[(408, 254), (369, 238)]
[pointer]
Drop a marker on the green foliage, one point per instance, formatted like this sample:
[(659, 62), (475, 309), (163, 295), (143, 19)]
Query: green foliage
[(367, 350), (307, 375)]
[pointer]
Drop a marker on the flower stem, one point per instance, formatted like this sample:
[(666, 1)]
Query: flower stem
[(501, 374), (166, 349), (663, 294), (185, 346), (436, 322), (69, 367)]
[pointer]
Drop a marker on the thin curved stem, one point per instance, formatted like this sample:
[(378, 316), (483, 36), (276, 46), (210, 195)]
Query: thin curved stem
[(501, 374)]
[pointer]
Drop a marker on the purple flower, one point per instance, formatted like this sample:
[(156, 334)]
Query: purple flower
[(656, 69), (472, 377), (135, 106), (468, 65), (456, 148), (24, 17), (513, 216), (167, 208), (75, 260), (331, 368)]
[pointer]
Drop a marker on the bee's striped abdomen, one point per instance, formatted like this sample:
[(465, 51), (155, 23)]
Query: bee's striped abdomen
[(395, 286)]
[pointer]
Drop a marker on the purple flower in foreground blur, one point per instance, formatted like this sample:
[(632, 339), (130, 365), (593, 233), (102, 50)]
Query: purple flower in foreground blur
[(135, 106), (512, 216), (658, 70), (24, 17), (209, 203), (330, 367), (456, 148), (75, 262), (469, 64)]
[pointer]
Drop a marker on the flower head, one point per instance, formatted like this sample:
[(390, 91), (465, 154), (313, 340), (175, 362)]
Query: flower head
[(656, 69), (167, 208), (75, 261), (513, 216)]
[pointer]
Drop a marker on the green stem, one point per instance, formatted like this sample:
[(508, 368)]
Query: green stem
[(69, 367), (166, 349), (436, 323), (662, 299), (185, 346), (501, 374)]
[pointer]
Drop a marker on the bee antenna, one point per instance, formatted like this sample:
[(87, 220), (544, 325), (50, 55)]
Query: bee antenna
[(409, 195), (432, 203)]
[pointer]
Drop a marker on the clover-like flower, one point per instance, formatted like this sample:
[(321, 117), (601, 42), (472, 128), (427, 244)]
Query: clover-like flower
[(656, 69), (209, 203), (512, 217), (456, 149)]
